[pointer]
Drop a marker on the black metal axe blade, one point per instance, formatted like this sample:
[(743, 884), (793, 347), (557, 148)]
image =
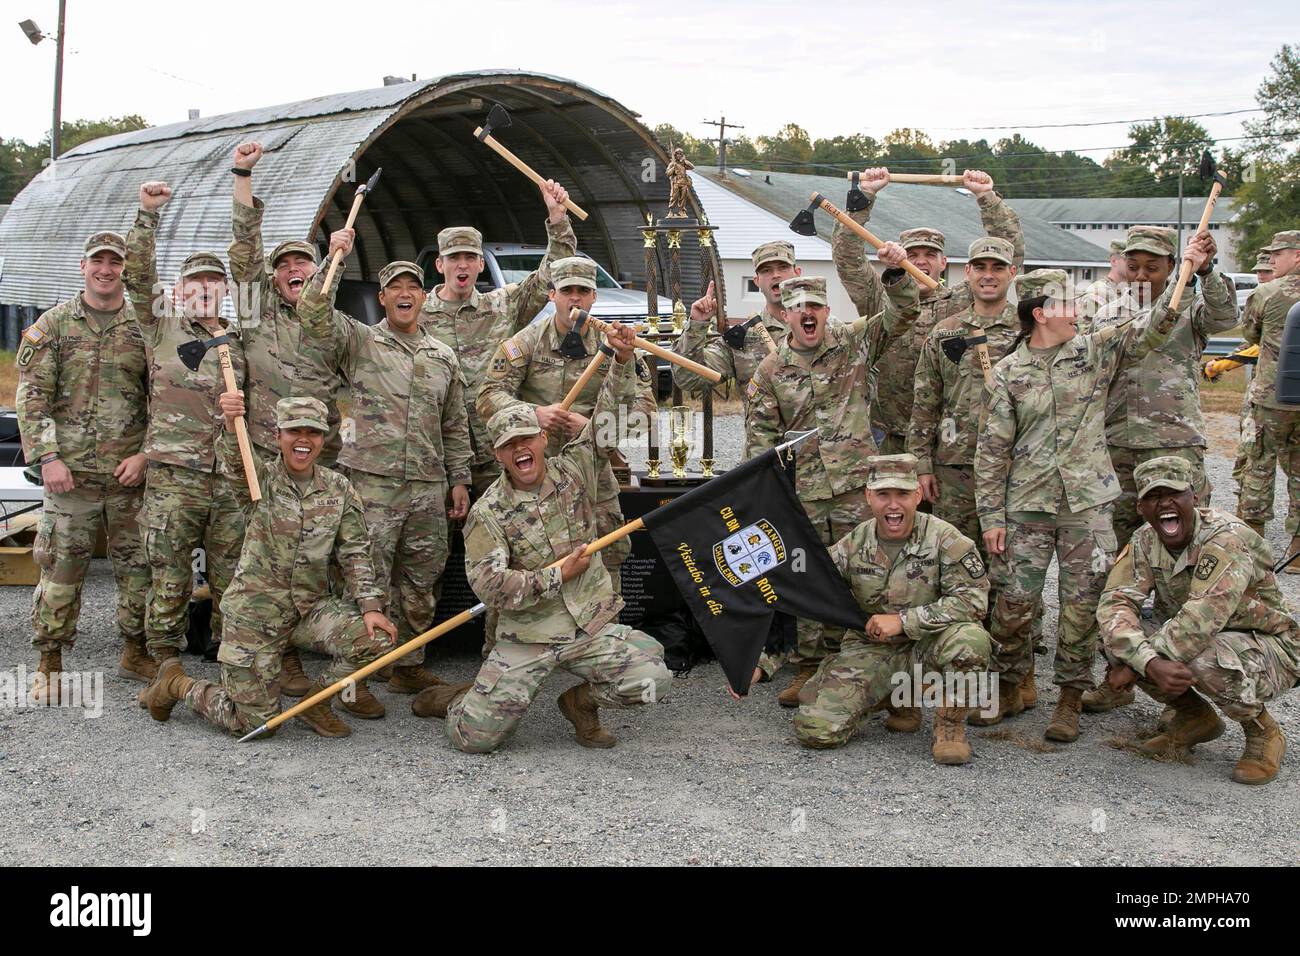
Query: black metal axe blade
[(369, 184), (857, 199), (498, 118), (191, 353), (572, 346), (1209, 170), (735, 336), (803, 222)]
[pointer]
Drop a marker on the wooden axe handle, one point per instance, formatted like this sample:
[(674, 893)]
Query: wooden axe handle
[(925, 179), (982, 350), (592, 367), (241, 428), (1185, 273), (701, 370), (767, 338), (923, 280), (524, 168), (338, 255)]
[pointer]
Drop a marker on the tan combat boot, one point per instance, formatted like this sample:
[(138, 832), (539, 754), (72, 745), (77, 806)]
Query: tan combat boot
[(1265, 747), (437, 700), (580, 710), (1028, 689), (950, 747), (1064, 726), (164, 655), (790, 696), (293, 679), (45, 682), (1103, 697), (383, 675), (903, 720), (1292, 548), (1194, 722), (362, 704), (168, 689), (321, 718), (411, 680), (1010, 704), (136, 664)]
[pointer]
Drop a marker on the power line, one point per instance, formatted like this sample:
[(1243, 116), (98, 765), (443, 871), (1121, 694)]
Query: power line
[(1143, 119)]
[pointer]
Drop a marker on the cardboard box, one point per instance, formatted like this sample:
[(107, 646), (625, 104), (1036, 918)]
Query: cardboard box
[(17, 567)]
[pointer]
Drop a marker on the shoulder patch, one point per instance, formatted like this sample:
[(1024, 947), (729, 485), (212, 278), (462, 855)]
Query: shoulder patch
[(513, 352), (1205, 569), (752, 388), (35, 335), (642, 372), (974, 564)]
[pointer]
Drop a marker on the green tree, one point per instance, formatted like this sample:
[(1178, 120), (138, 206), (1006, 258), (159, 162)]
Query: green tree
[(790, 148), (1159, 151), (1269, 199), (20, 162)]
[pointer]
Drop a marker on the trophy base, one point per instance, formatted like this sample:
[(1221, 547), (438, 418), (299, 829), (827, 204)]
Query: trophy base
[(677, 222)]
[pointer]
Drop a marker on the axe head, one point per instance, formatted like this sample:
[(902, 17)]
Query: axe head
[(857, 199), (369, 184), (954, 347), (498, 118), (803, 222), (191, 353), (571, 346), (735, 336), (1209, 170)]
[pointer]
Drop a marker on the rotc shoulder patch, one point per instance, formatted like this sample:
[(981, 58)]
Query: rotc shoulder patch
[(973, 564), (1206, 567)]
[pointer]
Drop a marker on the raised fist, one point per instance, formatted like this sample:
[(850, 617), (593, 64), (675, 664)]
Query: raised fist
[(247, 155), (977, 181), (154, 195)]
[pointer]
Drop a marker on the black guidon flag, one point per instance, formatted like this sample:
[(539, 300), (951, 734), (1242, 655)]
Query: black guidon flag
[(740, 548)]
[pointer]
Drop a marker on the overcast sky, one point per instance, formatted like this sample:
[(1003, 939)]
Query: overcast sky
[(941, 67)]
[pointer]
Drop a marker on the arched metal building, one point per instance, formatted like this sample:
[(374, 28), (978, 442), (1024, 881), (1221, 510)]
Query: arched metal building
[(435, 174)]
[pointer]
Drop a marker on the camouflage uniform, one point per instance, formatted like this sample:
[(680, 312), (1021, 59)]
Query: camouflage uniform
[(280, 595), (937, 584), (83, 395), (411, 443), (474, 328), (1276, 425), (735, 365), (511, 539), (826, 392), (1042, 472), (187, 502), (274, 346), (1102, 294), (528, 367), (1231, 625), (1154, 406), (897, 364)]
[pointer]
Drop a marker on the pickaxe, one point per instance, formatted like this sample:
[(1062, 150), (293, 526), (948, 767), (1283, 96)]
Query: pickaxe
[(499, 118), (1207, 170), (803, 224), (578, 315), (362, 191), (191, 353)]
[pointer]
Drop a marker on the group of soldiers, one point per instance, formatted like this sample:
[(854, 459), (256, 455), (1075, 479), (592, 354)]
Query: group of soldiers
[(962, 438)]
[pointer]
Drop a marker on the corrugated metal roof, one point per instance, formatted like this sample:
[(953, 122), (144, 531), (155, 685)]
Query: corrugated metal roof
[(743, 226), (905, 206), (435, 175), (1137, 211)]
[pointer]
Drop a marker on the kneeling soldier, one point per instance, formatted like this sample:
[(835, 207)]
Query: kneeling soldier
[(926, 590), (1231, 635), (309, 517), (540, 510)]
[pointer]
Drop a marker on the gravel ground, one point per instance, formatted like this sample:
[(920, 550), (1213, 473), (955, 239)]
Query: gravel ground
[(696, 779)]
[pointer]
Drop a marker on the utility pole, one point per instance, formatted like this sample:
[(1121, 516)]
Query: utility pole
[(722, 141), (56, 132)]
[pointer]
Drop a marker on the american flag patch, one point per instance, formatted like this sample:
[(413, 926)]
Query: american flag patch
[(752, 388), (512, 350), (35, 335)]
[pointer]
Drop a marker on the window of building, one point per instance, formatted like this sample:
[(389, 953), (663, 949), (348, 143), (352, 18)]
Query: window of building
[(750, 285)]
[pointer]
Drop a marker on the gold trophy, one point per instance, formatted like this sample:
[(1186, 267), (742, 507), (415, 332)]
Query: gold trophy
[(679, 448), (679, 317)]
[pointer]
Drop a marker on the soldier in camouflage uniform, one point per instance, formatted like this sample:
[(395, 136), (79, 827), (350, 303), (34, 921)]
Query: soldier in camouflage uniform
[(411, 442), (1043, 483), (818, 379), (1154, 407), (531, 367), (309, 519), (82, 401), (1230, 636), (773, 263), (524, 554), (1276, 425), (925, 590), (188, 503), (472, 324), (924, 246), (1110, 288)]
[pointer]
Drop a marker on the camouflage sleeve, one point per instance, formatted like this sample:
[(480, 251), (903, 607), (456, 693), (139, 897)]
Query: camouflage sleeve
[(1215, 309), (505, 373), (927, 405), (1130, 342), (993, 455), (456, 450), (1001, 220), (333, 331), (1218, 584), (38, 384), (849, 252), (640, 403), (902, 306), (963, 591), (247, 269), (140, 274), (487, 566), (763, 426), (619, 386), (1119, 612), (528, 297), (352, 552), (694, 344), (1252, 318)]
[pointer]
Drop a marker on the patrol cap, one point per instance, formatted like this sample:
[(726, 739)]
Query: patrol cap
[(460, 239), (573, 270), (803, 290), (911, 238), (992, 247), (1262, 261), (301, 413), (1051, 283), (200, 263), (892, 471), (1167, 471), (394, 269), (104, 242), (1157, 240), (1287, 239), (294, 245), (1117, 247), (515, 421), (778, 251)]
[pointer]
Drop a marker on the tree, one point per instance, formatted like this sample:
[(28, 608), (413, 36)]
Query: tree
[(1269, 199), (20, 162), (1160, 150), (790, 148)]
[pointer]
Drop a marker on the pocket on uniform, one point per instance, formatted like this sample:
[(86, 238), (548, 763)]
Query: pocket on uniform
[(236, 655), (1106, 540), (153, 534), (43, 547), (488, 675)]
